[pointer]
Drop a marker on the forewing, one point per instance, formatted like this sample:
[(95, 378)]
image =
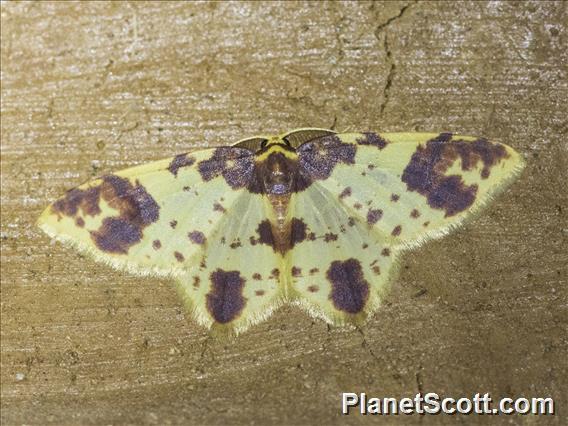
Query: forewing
[(190, 217), (154, 218), (411, 186)]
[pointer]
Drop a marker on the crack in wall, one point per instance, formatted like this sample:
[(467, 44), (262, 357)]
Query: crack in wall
[(388, 52), (366, 346), (390, 77), (389, 21)]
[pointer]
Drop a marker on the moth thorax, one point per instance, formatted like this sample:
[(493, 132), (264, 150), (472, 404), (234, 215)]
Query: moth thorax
[(278, 177)]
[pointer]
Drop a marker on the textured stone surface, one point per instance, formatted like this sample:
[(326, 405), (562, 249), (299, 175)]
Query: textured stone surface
[(95, 87)]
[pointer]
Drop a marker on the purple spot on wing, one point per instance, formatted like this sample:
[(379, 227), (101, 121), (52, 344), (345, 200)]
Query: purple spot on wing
[(426, 171), (374, 215), (236, 165), (318, 158), (136, 210), (265, 236), (116, 235), (298, 231), (86, 200), (350, 290), (225, 301), (180, 161), (372, 139), (197, 237)]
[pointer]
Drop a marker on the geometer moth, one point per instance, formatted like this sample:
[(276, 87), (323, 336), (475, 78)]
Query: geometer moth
[(311, 217)]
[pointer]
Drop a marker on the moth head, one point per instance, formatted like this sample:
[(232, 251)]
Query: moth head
[(278, 173)]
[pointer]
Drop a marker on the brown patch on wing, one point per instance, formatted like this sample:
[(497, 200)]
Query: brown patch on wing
[(173, 224), (275, 273), (373, 216), (376, 270), (137, 209), (265, 236), (345, 193), (218, 207), (197, 237), (259, 292), (372, 139), (116, 235), (386, 252), (86, 200), (236, 244), (414, 214), (225, 301), (236, 165), (425, 173), (349, 289), (396, 231), (298, 231), (179, 161), (295, 271), (256, 276), (318, 158), (395, 198), (330, 236), (196, 281), (80, 222), (281, 239), (314, 271), (313, 289), (179, 257), (156, 244)]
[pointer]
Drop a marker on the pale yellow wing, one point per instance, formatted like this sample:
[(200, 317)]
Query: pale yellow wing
[(415, 186), (190, 217), (369, 196), (150, 219), (339, 266), (237, 281)]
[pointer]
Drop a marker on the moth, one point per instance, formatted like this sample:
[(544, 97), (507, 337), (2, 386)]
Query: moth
[(310, 217)]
